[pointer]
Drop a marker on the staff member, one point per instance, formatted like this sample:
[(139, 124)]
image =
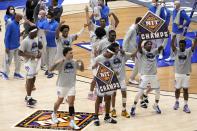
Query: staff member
[(12, 43), (180, 21)]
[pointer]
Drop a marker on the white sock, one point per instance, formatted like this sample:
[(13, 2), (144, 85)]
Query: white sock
[(72, 121), (185, 102), (123, 108), (113, 108), (29, 97), (156, 104), (177, 99)]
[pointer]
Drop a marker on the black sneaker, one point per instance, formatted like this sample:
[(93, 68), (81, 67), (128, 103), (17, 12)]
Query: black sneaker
[(46, 72), (30, 103), (143, 104), (50, 75), (34, 101), (109, 119), (96, 121)]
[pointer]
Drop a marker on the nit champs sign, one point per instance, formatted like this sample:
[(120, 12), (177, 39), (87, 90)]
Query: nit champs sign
[(106, 80), (152, 27)]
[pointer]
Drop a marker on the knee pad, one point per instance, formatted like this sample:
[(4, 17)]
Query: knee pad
[(71, 111), (185, 90)]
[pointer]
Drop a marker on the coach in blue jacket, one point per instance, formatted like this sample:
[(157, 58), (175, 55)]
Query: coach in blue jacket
[(12, 43), (167, 15)]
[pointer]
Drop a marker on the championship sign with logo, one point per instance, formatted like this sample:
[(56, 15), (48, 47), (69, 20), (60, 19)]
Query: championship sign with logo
[(152, 27), (106, 79)]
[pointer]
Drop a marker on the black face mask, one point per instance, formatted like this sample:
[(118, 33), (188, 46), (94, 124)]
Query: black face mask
[(182, 57)]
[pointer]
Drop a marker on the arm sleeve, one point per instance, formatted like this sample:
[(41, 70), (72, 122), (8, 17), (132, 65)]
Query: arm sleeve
[(7, 36), (168, 17), (186, 18), (126, 39)]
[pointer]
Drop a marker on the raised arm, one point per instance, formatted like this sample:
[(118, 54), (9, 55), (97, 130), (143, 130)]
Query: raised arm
[(58, 29), (88, 19), (173, 46), (115, 19), (127, 38)]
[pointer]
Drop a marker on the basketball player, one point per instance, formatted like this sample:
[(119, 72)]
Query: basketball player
[(67, 68), (29, 49), (148, 73), (65, 40), (182, 70), (103, 44), (104, 58), (130, 45), (118, 65), (95, 38), (102, 47), (180, 21)]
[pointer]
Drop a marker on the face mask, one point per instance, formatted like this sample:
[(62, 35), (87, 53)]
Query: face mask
[(11, 11), (39, 16), (154, 4), (163, 4), (49, 20)]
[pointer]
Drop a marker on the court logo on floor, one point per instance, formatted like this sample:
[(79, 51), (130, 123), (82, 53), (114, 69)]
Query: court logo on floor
[(41, 119)]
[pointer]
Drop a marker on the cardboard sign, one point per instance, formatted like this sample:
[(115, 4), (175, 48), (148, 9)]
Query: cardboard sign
[(106, 79), (152, 27)]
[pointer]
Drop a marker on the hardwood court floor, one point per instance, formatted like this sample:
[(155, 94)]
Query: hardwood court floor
[(12, 92), (127, 17)]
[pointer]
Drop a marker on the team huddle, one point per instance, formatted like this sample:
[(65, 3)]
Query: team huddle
[(47, 43)]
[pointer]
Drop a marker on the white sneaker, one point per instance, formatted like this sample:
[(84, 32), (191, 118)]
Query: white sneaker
[(160, 56), (133, 82), (170, 59), (73, 125), (54, 118)]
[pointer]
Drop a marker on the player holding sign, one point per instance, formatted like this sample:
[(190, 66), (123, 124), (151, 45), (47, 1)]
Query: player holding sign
[(105, 60), (148, 74), (182, 70)]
